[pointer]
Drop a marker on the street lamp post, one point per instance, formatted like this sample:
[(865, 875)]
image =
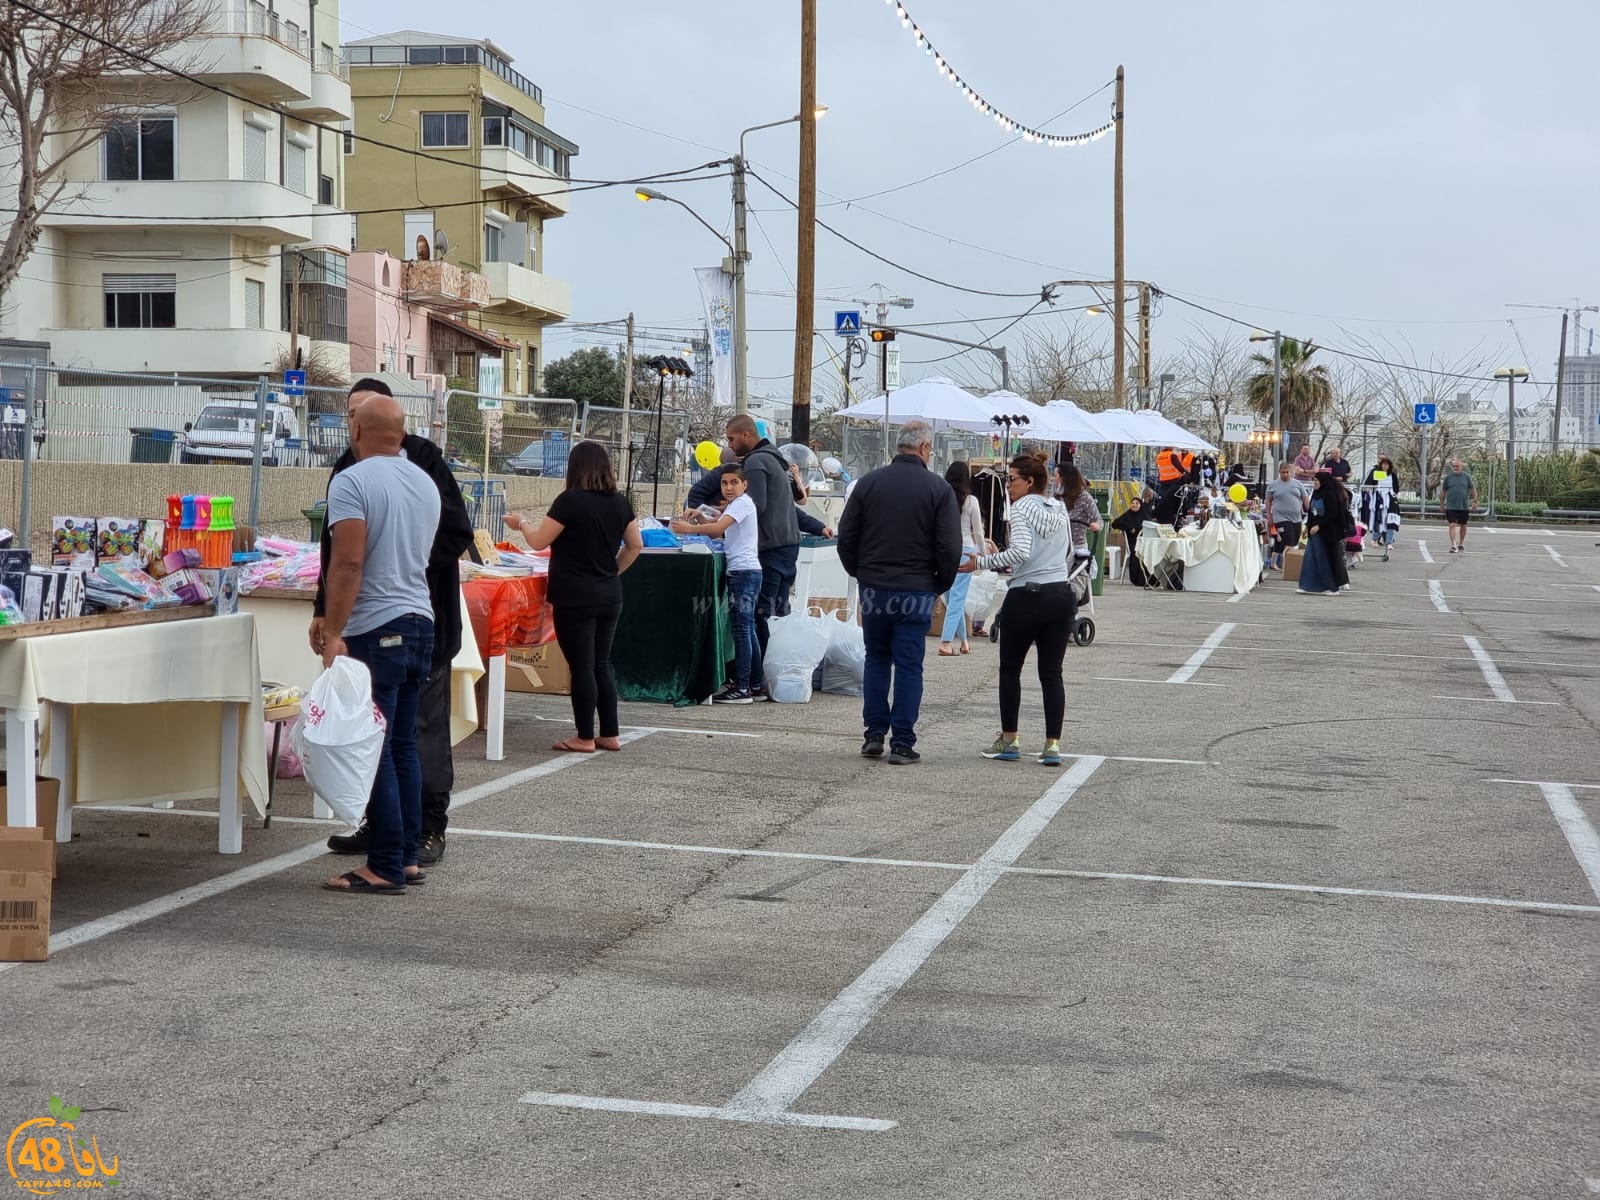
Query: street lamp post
[(741, 256), (1161, 392), (1511, 375), (1276, 339)]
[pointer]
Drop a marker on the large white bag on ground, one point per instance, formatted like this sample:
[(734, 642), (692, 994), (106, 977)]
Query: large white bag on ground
[(844, 666), (983, 594), (795, 646), (339, 739)]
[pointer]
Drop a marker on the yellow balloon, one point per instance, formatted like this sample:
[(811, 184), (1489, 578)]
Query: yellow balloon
[(708, 455), (1238, 493)]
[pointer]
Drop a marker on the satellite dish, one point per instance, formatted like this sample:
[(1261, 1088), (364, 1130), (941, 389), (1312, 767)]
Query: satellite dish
[(441, 243)]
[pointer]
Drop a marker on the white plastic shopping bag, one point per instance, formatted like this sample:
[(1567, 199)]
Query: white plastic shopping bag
[(844, 665), (339, 739), (983, 594), (795, 646)]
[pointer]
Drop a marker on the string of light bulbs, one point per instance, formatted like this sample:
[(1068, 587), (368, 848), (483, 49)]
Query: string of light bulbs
[(971, 94)]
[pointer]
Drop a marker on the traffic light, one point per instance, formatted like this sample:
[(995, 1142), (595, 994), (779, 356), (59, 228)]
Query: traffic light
[(882, 335)]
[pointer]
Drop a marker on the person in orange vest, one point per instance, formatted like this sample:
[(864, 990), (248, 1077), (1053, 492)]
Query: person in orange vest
[(1173, 466)]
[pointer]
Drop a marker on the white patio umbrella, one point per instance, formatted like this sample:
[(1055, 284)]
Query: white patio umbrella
[(1147, 427), (938, 401), (1066, 422)]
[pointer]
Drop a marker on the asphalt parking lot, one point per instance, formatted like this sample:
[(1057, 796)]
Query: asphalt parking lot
[(1311, 913)]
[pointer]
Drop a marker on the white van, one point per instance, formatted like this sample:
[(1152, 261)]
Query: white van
[(224, 432)]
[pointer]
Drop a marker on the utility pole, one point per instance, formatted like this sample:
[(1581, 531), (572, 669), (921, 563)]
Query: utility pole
[(806, 256), (1561, 374), (1119, 357), (627, 404), (741, 255), (1144, 345)]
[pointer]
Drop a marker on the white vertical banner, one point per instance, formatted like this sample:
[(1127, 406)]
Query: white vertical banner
[(716, 291)]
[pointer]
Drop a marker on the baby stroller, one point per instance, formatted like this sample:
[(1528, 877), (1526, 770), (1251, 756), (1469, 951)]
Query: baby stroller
[(1080, 578)]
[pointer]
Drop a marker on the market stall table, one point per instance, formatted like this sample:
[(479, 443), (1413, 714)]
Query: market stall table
[(505, 612), (1222, 557), (819, 573), (142, 708), (673, 643)]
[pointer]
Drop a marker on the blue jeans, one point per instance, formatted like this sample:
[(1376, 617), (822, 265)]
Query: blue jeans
[(955, 604), (399, 654), (744, 591), (895, 627), (779, 566)]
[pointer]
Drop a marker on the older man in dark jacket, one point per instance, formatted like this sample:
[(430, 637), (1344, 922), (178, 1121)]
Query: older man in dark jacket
[(444, 588), (900, 537)]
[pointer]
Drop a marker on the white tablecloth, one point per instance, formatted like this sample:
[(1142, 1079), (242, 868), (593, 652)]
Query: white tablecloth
[(141, 708), (1240, 545), (286, 655)]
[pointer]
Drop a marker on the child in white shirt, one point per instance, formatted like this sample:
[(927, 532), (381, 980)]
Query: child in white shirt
[(737, 527)]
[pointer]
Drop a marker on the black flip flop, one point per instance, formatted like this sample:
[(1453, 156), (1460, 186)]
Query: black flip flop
[(362, 886), (417, 880)]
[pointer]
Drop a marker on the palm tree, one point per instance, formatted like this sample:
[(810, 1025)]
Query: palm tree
[(1306, 392)]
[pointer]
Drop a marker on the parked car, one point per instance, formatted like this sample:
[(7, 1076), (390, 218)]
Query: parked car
[(224, 432), (527, 461)]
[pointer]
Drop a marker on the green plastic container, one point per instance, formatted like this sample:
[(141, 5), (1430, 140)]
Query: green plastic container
[(316, 516)]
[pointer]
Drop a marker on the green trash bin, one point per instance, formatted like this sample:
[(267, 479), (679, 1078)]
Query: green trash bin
[(152, 445), (316, 516), (1097, 548)]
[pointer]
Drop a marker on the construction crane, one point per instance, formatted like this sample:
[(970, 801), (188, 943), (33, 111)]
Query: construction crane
[(1577, 308)]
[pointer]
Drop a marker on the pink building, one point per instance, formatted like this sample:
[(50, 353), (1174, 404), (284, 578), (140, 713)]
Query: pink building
[(411, 318)]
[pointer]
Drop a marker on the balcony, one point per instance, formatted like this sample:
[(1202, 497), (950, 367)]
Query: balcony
[(504, 170), (522, 291), (249, 49), (246, 208), (208, 353), (332, 227), (330, 90), (445, 287)]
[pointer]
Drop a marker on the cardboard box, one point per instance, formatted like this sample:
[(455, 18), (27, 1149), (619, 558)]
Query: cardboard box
[(117, 540), (937, 628), (223, 584), (832, 604), (72, 542), (25, 858), (1292, 560), (541, 669), (48, 794)]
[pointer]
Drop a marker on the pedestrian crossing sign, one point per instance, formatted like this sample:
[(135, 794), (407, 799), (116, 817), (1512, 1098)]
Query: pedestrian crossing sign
[(847, 324)]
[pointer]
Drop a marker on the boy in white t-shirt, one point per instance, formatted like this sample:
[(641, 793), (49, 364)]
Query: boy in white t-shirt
[(737, 527)]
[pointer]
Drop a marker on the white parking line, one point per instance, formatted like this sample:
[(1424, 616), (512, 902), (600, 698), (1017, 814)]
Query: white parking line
[(1122, 679), (1539, 783), (767, 1097), (1551, 550), (1436, 594), (1491, 673), (1236, 597), (1579, 833), (1198, 659), (182, 898), (1422, 548)]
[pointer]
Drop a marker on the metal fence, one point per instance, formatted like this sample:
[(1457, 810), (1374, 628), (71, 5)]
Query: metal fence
[(514, 437), (81, 415), (655, 455)]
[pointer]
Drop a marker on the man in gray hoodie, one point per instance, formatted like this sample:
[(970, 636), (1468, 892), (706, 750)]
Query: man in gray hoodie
[(767, 475)]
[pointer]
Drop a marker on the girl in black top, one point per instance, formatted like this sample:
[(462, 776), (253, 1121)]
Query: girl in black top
[(583, 530)]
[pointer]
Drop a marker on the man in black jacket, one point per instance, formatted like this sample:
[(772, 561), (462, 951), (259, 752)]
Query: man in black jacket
[(444, 587), (767, 475), (900, 537)]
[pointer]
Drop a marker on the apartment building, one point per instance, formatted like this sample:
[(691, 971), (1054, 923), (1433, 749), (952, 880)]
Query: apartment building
[(491, 178), (1582, 398), (200, 219)]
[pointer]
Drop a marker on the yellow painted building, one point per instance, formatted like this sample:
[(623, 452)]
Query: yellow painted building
[(493, 179)]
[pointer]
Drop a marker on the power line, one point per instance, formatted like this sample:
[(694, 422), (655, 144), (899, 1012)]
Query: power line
[(167, 69), (889, 261), (1351, 354)]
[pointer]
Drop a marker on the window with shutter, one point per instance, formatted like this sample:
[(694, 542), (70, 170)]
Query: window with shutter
[(255, 299), (294, 169), (140, 301), (255, 152)]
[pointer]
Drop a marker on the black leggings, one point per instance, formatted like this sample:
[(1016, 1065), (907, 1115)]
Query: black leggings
[(1041, 617), (585, 636)]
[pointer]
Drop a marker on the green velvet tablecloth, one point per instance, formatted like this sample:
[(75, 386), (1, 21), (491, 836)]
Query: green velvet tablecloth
[(673, 643)]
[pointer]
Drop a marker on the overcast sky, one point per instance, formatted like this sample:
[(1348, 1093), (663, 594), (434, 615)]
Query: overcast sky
[(1392, 168)]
